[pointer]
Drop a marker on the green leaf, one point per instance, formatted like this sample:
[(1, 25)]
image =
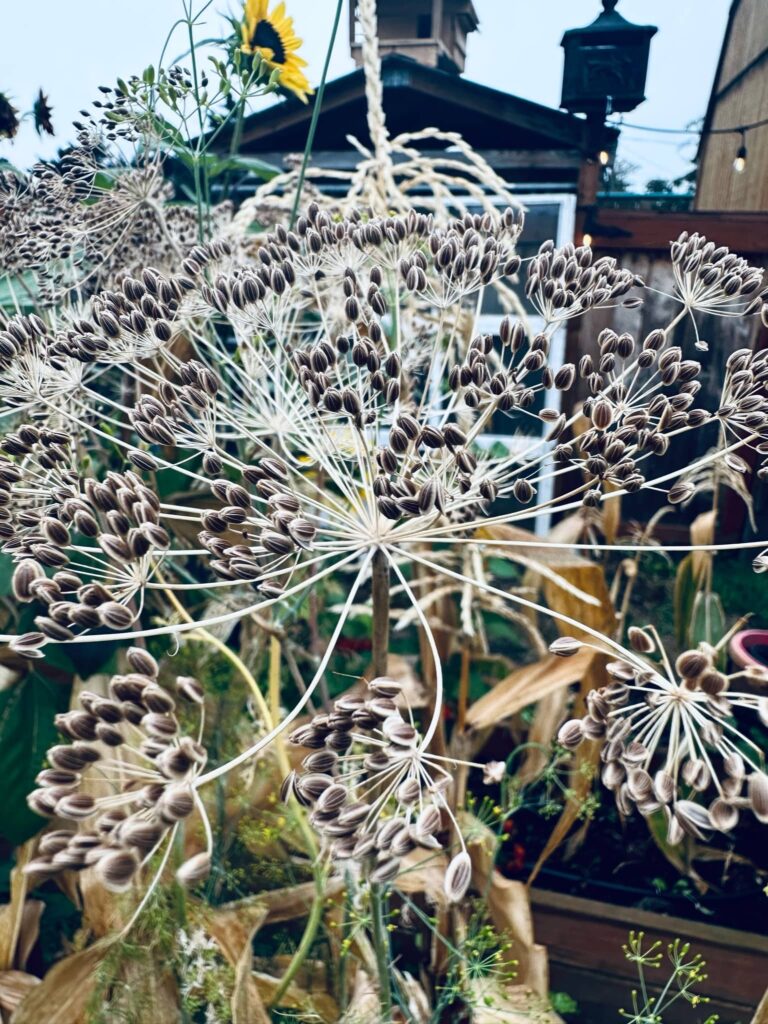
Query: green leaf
[(684, 597), (707, 622), (27, 710)]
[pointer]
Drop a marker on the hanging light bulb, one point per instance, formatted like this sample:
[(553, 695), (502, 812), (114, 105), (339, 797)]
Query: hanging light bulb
[(604, 157), (586, 238), (741, 155)]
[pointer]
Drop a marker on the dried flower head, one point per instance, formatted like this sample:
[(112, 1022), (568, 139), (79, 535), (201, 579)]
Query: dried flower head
[(127, 749), (672, 739)]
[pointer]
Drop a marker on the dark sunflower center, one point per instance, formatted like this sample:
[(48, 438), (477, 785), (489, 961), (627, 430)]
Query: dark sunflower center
[(267, 35)]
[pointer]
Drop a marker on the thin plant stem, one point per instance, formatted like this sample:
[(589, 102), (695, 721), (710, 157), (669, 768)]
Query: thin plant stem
[(381, 947), (315, 114), (270, 713), (380, 604)]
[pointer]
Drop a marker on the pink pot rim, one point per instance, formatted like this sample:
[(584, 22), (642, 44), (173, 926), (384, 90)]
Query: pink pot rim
[(739, 646)]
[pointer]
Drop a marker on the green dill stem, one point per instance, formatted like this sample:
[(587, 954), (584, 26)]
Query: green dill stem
[(315, 115), (381, 947), (380, 603), (310, 933), (196, 154)]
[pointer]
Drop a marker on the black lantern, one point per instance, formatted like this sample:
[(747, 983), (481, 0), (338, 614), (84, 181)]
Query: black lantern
[(605, 64)]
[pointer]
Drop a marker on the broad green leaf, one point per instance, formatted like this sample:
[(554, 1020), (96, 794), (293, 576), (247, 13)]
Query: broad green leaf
[(27, 710)]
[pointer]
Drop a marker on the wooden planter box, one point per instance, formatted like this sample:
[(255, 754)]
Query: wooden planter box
[(584, 941)]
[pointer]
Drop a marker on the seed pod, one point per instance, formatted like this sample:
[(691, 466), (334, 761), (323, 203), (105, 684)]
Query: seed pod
[(140, 833), (408, 792), (458, 876), (385, 872), (332, 798), (194, 870), (142, 662), (757, 789), (601, 414), (571, 734), (565, 646), (663, 786), (523, 490), (175, 803), (399, 732), (116, 870), (723, 815), (694, 819), (691, 664), (115, 615), (641, 640), (24, 574)]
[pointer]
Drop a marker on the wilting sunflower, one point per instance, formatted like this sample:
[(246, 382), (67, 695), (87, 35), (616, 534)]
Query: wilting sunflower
[(42, 113), (9, 120), (273, 38)]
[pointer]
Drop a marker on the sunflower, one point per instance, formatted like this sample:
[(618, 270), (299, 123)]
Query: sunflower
[(273, 38), (9, 119)]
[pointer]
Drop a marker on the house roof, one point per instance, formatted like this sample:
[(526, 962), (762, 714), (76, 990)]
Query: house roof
[(415, 97)]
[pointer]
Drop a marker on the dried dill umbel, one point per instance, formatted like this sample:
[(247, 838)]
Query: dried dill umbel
[(325, 395)]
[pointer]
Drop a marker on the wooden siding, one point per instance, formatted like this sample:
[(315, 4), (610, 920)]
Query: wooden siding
[(740, 96)]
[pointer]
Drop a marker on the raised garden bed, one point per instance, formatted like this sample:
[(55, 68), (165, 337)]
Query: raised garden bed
[(584, 941)]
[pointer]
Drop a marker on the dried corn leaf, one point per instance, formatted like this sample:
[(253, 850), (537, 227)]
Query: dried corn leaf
[(567, 531), (63, 995), (233, 927), (761, 1014), (364, 1002), (415, 999), (602, 620), (423, 873), (508, 904), (494, 1003), (19, 919), (280, 904), (702, 532), (314, 1003), (525, 686), (14, 987), (247, 1004), (154, 993)]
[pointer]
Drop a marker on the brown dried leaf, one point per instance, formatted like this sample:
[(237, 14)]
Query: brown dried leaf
[(423, 872), (364, 1002), (702, 532), (509, 1004), (601, 619), (19, 919), (233, 926), (247, 1004), (280, 904), (508, 904), (313, 1001), (14, 987), (62, 996), (525, 686), (761, 1014), (154, 992)]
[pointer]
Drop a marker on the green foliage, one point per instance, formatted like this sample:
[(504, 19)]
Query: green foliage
[(27, 710), (687, 973)]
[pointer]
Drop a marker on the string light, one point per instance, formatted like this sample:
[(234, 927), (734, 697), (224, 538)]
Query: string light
[(741, 155), (604, 156), (586, 238), (736, 129)]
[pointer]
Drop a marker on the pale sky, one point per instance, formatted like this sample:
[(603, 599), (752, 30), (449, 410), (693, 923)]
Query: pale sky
[(70, 48)]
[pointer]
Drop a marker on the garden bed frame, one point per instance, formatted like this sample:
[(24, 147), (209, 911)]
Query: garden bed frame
[(584, 941)]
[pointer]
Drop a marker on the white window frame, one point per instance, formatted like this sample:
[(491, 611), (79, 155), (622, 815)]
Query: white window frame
[(489, 324)]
